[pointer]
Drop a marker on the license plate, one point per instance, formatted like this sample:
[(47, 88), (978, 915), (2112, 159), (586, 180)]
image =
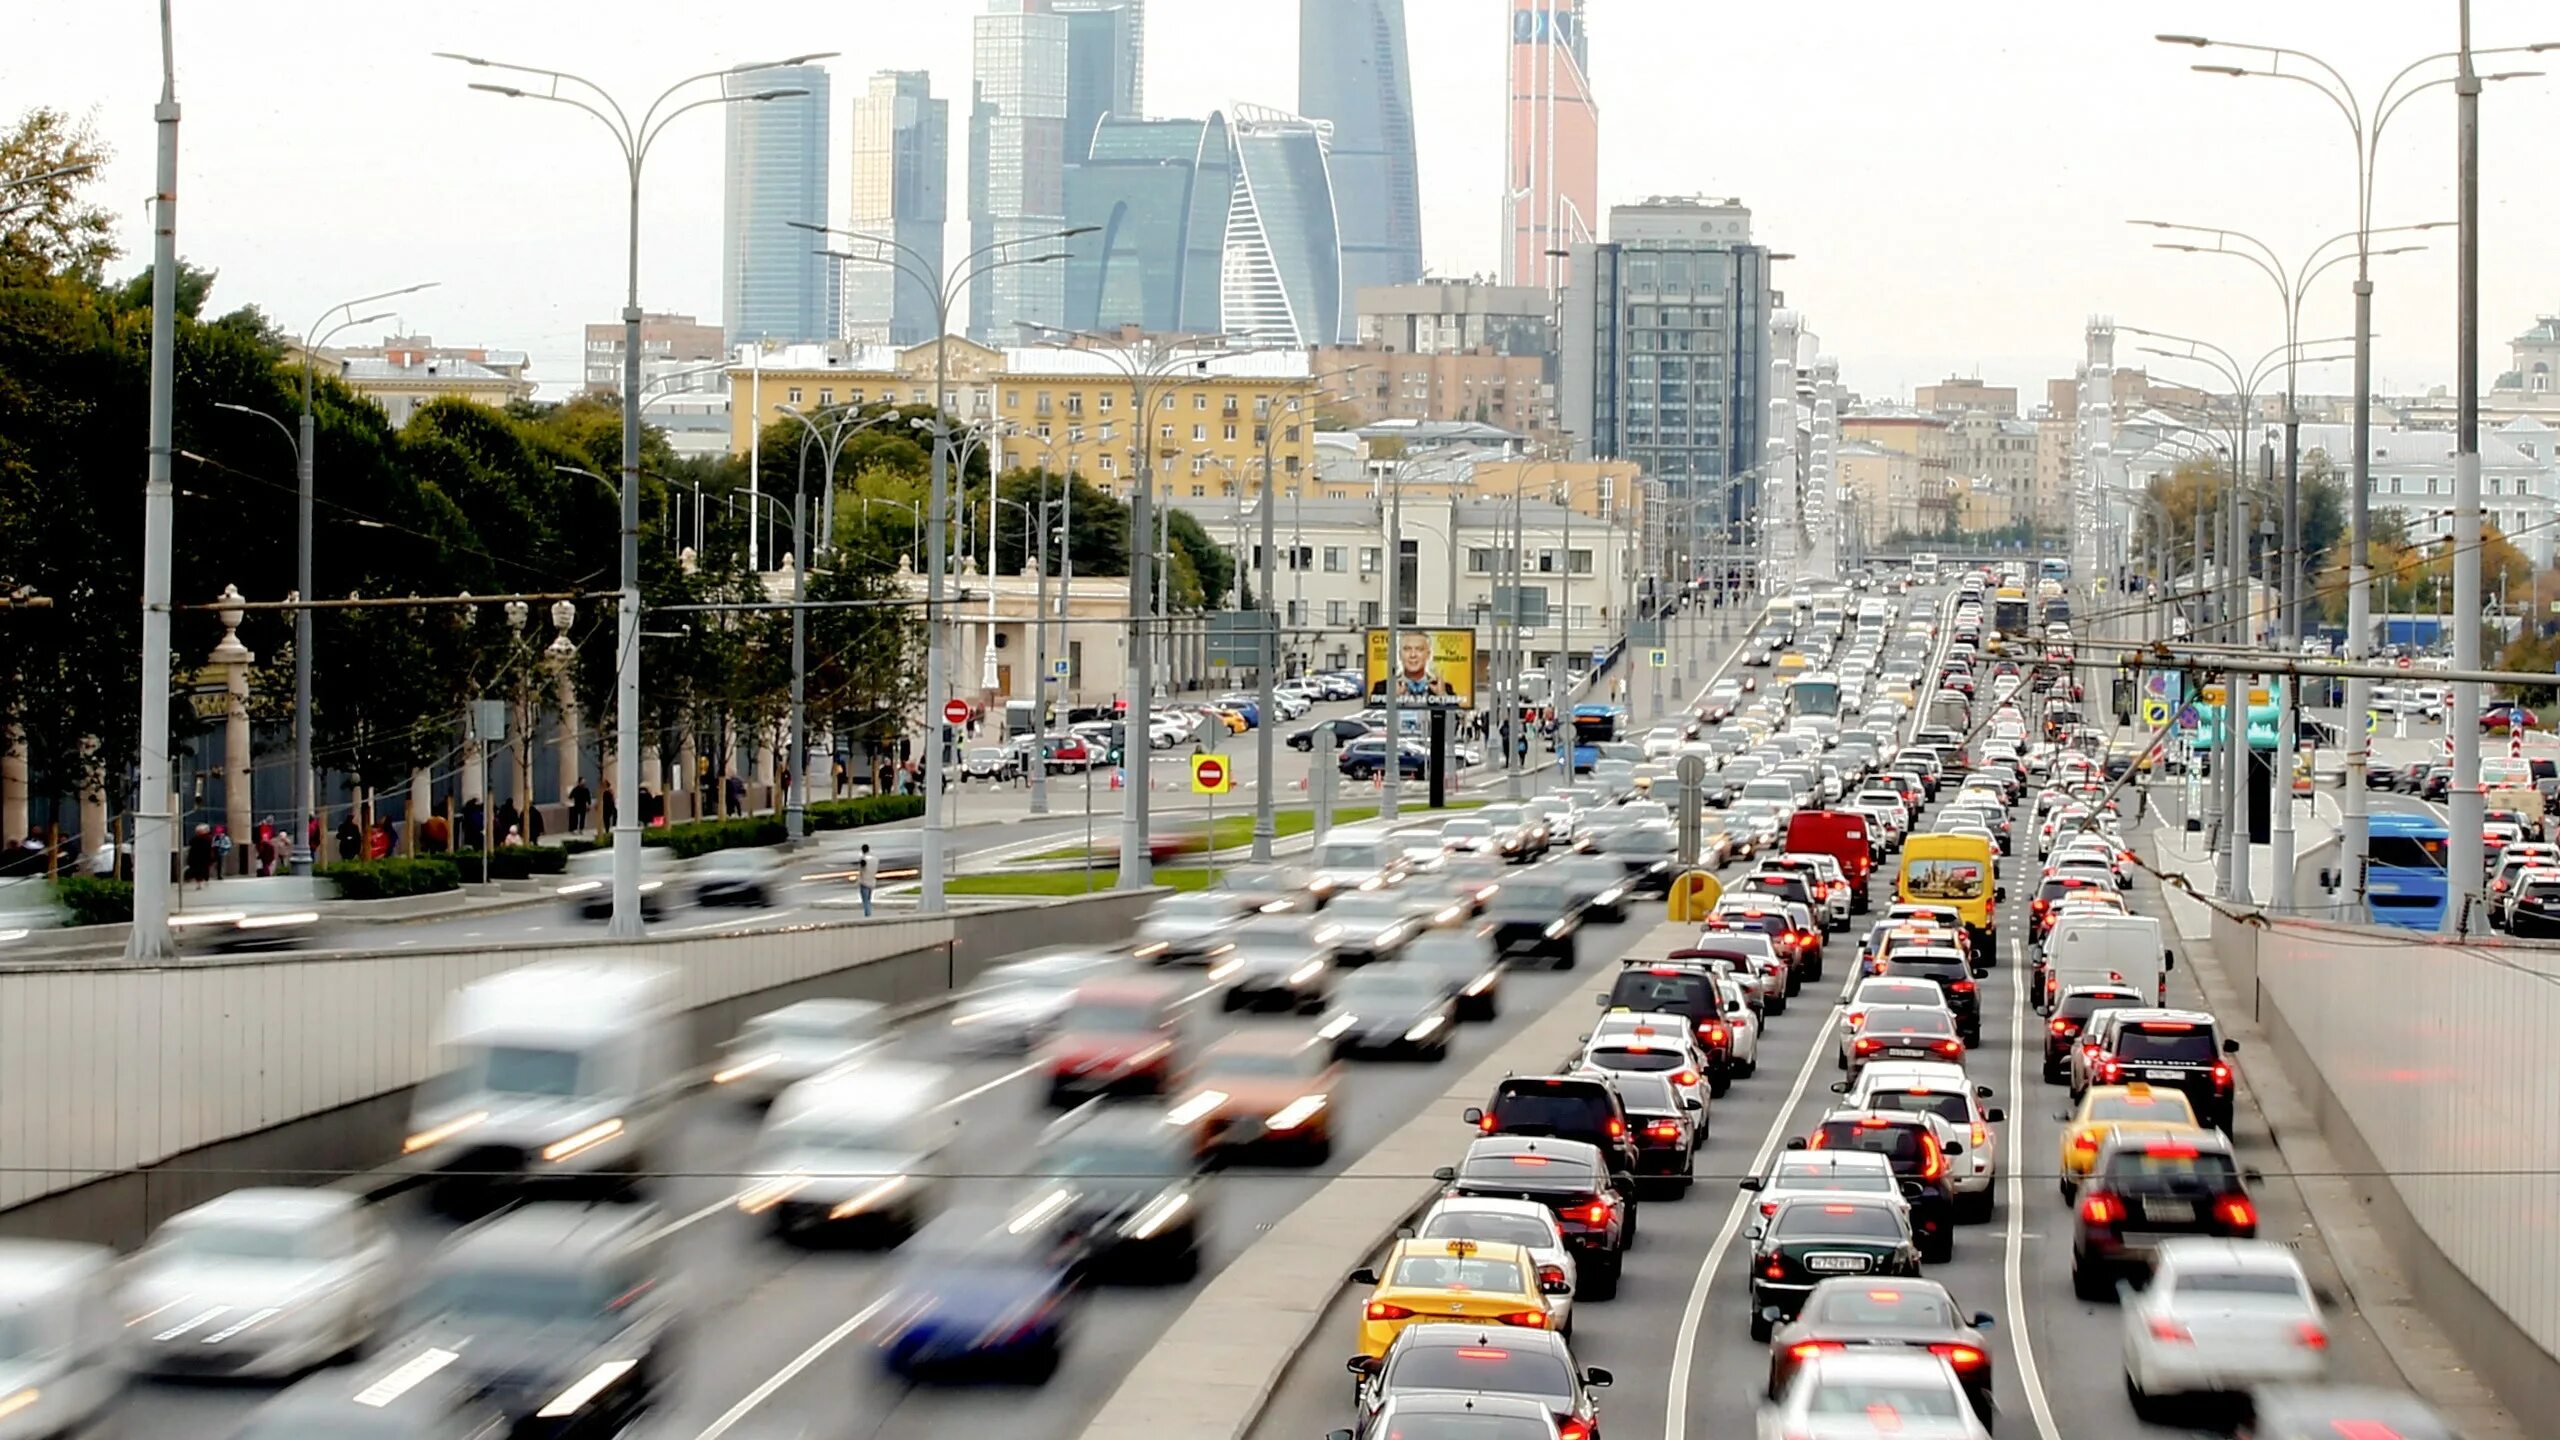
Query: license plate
[(1906, 1051), (2168, 1210), (2172, 1076), (1836, 1262)]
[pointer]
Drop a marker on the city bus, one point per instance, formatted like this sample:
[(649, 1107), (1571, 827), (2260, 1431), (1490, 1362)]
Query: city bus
[(2009, 610), (2055, 569), (1593, 725), (2404, 880), (1815, 692)]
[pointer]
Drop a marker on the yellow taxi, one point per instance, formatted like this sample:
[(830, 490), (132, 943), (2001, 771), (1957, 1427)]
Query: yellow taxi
[(1435, 1281), (2105, 1109), (1232, 719)]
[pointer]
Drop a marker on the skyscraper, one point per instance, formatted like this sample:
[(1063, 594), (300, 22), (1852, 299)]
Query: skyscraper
[(1352, 72), (1552, 186), (1280, 283), (1156, 193), (901, 193), (772, 284), (1017, 162), (1106, 65)]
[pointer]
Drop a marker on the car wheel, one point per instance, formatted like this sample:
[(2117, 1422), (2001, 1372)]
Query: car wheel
[(1601, 1281), (1760, 1326), (1718, 1084), (2146, 1407), (1569, 958), (1975, 1208), (1941, 1249), (2070, 1192), (2088, 1284), (1750, 1067)]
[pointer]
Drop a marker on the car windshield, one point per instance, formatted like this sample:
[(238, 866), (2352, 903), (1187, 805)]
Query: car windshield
[(1637, 1058), (1832, 1220), (1522, 1230), (218, 1241), (526, 1070), (2168, 1107), (1370, 908), (1642, 990), (1534, 896), (1564, 1111), (1898, 1143), (1869, 1304), (1459, 1272), (2238, 1282), (1493, 1369), (1909, 1020), (1949, 1107), (1196, 906), (2144, 1045), (1115, 1159), (1385, 989), (2172, 1162), (1105, 1018), (1260, 1063), (531, 1296), (1470, 827), (2081, 1007)]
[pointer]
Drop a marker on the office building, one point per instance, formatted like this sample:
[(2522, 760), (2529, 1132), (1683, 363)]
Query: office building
[(1447, 350), (901, 199), (1552, 141), (1017, 164), (1665, 350), (773, 284), (1106, 65), (1960, 394), (1353, 75), (1156, 194), (406, 372), (1281, 277), (678, 354)]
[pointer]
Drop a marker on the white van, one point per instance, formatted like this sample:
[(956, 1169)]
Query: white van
[(59, 1333), (1354, 857), (861, 1146), (2105, 949), (555, 1071)]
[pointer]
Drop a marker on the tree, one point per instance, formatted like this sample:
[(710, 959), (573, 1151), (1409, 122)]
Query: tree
[(47, 231)]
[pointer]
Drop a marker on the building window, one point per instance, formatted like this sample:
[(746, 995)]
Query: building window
[(1297, 613), (1102, 401), (827, 397), (1164, 432), (1110, 464), (1289, 433), (1013, 399), (1368, 612), (1199, 432), (1231, 433), (1199, 490), (1369, 559), (1335, 559), (1075, 403), (1199, 399), (1337, 612), (1044, 429), (1291, 464), (1040, 405), (1480, 560), (795, 394), (1581, 562)]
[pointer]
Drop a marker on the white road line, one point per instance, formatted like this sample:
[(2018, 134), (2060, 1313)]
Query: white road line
[(683, 1221), (790, 1372), (2021, 1344), (1684, 1350), (1007, 1078)]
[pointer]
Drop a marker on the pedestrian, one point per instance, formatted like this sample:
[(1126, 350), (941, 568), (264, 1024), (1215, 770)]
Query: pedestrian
[(350, 840), (266, 849), (611, 811), (475, 823), (533, 823), (377, 841), (737, 793), (199, 854), (514, 836), (221, 850), (580, 799), (509, 820), (867, 878)]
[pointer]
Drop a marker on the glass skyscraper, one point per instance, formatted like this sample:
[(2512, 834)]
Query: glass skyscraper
[(1352, 73), (1157, 194), (1280, 283), (1106, 65), (901, 193), (772, 284), (1017, 163)]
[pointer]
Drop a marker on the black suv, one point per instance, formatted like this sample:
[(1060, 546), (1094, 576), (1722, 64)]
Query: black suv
[(1812, 1237), (1534, 918), (1117, 1168), (1568, 1107), (1594, 1206), (1946, 966), (2172, 1048), (1910, 1143), (2071, 1015), (1651, 988), (2148, 1188)]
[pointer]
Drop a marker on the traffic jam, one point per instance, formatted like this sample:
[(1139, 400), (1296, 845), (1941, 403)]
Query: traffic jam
[(1909, 801)]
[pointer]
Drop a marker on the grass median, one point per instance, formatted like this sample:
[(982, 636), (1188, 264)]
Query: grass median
[(1234, 830), (1074, 882)]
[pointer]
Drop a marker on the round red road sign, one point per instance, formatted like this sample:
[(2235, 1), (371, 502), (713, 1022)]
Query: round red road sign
[(2403, 662), (956, 711), (1211, 773)]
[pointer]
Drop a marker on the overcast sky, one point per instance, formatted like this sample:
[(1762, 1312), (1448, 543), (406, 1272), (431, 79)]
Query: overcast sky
[(1953, 180)]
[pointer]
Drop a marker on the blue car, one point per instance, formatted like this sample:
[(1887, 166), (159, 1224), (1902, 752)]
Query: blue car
[(975, 1298)]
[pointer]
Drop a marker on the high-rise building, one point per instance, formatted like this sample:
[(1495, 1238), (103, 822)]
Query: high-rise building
[(1666, 346), (1280, 282), (1106, 65), (1017, 163), (901, 197), (1552, 180), (677, 354), (1156, 193), (773, 284), (1352, 73)]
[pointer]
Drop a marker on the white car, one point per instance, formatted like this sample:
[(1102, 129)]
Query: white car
[(1874, 990), (2218, 1317), (1820, 1172), (1945, 1094), (262, 1282), (1524, 1223), (780, 1048), (1851, 1394), (1656, 1045)]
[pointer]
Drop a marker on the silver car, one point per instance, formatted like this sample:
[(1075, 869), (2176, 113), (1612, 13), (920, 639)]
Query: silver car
[(261, 1282), (1010, 1008)]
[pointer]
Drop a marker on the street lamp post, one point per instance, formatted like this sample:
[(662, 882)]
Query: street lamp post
[(633, 138), (945, 287)]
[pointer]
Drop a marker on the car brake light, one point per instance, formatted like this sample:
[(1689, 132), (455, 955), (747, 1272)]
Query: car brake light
[(1482, 1352), (2115, 1071), (1962, 987), (1776, 1269), (1617, 1128), (1664, 1129), (1961, 1357), (1811, 1348), (1981, 1134), (1573, 1430), (2221, 1076), (2236, 1210), (1933, 1161), (1951, 1047), (2310, 1336), (1868, 1042), (1383, 1310), (1595, 1213), (2101, 1208), (2169, 1150), (2164, 1328), (1525, 1319), (1718, 1035), (2084, 1143), (1550, 1274), (1487, 1124), (2061, 1027)]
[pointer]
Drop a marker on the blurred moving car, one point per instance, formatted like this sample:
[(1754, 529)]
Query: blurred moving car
[(1277, 961), (1011, 1007), (1910, 1395), (59, 1337), (1124, 1186), (416, 1395), (780, 1048), (743, 876), (273, 912), (1391, 1009), (1461, 958), (1264, 1091), (2218, 1317), (1116, 1036), (1437, 1361), (261, 1282), (858, 1150), (558, 1313), (588, 886), (974, 1294), (1189, 927)]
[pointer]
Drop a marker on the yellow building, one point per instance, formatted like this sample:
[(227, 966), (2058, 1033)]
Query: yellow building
[(1068, 408), (1591, 487)]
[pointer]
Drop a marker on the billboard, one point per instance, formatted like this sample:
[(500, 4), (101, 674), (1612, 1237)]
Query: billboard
[(1430, 667)]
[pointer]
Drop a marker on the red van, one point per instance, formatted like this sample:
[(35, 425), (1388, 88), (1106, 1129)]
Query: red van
[(1841, 835)]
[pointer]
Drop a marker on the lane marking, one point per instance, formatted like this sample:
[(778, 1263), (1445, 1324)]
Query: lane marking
[(2022, 1345), (1684, 1349), (790, 1372)]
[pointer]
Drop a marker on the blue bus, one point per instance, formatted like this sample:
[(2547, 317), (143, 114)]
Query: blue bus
[(1592, 724), (2405, 882)]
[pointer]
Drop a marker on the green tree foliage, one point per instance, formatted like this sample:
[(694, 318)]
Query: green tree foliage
[(48, 230)]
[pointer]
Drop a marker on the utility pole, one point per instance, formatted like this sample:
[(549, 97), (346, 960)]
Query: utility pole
[(155, 820), (2465, 863), (1391, 769)]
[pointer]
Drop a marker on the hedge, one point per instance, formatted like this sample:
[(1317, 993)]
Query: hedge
[(389, 879), (864, 810), (701, 837), (95, 899), (511, 862)]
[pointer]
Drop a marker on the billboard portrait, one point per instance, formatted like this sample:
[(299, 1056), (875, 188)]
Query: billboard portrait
[(1427, 667)]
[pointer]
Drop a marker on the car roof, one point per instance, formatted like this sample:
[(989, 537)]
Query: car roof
[(281, 1207), (35, 1269), (2217, 1253), (1493, 1204), (1504, 1147), (548, 1235), (1450, 1337), (1896, 1074)]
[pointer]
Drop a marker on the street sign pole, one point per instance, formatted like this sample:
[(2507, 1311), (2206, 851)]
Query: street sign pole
[(1693, 776), (1320, 772)]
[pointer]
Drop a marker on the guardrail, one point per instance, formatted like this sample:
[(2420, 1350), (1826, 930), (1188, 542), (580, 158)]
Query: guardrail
[(128, 1092)]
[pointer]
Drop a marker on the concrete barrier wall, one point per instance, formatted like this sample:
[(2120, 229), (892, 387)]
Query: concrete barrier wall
[(231, 1068), (2431, 1070)]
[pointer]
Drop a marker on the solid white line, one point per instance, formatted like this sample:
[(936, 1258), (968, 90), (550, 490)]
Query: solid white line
[(683, 1221), (1684, 1349), (965, 1096), (790, 1372), (2030, 1378)]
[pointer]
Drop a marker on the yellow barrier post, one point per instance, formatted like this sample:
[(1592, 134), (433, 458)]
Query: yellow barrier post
[(1693, 894)]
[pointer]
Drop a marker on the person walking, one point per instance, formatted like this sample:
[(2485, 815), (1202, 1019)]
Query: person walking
[(533, 823), (221, 851), (199, 858), (612, 812), (580, 799), (475, 823), (350, 840), (867, 878)]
